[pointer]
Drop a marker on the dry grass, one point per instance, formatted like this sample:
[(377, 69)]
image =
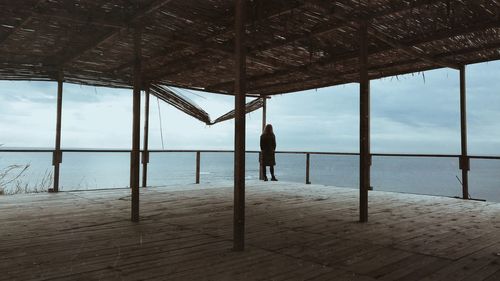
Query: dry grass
[(12, 181), (13, 175)]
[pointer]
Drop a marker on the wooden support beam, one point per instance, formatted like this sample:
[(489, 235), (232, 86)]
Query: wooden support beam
[(464, 159), (264, 111), (264, 122), (145, 153), (136, 121), (364, 123), (57, 156), (308, 165), (239, 128), (198, 159)]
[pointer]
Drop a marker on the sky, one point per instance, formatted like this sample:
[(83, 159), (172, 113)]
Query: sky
[(415, 113)]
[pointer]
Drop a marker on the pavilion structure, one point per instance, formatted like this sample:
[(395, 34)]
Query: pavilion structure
[(244, 48)]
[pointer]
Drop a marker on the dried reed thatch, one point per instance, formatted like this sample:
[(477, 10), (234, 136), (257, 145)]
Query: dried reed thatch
[(180, 102), (249, 107), (292, 45), (189, 107)]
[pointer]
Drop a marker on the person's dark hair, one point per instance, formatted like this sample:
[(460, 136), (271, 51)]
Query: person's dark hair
[(268, 129)]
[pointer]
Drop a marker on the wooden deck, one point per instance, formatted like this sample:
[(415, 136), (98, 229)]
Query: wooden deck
[(294, 232)]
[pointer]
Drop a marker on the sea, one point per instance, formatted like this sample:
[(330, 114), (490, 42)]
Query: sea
[(91, 170)]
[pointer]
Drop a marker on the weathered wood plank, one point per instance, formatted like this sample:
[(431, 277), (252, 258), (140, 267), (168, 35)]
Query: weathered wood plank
[(294, 231)]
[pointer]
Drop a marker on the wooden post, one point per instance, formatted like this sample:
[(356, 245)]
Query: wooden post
[(264, 112), (145, 153), (136, 122), (464, 159), (264, 122), (57, 155), (364, 123), (308, 161), (198, 167), (239, 128)]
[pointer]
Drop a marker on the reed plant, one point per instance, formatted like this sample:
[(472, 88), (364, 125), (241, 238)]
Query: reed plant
[(13, 181)]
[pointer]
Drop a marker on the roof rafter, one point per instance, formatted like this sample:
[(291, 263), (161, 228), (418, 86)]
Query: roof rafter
[(23, 23), (15, 29), (380, 35), (315, 43), (409, 50), (165, 72), (115, 32), (78, 18), (330, 26), (205, 44), (187, 87), (380, 68), (439, 35), (324, 28)]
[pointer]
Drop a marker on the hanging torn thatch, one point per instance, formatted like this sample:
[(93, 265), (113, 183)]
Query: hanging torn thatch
[(189, 107), (180, 102), (249, 107)]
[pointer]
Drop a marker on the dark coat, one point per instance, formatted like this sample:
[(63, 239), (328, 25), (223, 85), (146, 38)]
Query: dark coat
[(267, 147)]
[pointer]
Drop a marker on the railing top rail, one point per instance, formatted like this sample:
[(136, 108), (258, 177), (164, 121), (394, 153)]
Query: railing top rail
[(83, 150), (484, 157), (26, 150), (416, 155)]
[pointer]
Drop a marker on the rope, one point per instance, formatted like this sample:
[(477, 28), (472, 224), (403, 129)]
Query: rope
[(161, 127), (461, 183)]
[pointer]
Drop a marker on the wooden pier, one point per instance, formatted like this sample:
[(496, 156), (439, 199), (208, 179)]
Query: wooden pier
[(293, 232), (244, 49)]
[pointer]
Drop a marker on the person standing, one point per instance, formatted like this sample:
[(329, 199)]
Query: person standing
[(268, 147)]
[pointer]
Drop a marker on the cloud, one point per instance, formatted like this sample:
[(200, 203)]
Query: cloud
[(409, 114)]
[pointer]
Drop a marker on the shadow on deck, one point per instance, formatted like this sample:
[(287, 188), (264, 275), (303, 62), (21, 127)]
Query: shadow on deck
[(293, 232)]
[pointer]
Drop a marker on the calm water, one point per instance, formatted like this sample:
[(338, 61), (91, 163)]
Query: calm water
[(435, 176)]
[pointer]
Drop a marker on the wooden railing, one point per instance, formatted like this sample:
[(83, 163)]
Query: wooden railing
[(58, 156)]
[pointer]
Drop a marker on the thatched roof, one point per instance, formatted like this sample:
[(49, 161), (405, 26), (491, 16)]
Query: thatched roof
[(184, 104), (292, 45)]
